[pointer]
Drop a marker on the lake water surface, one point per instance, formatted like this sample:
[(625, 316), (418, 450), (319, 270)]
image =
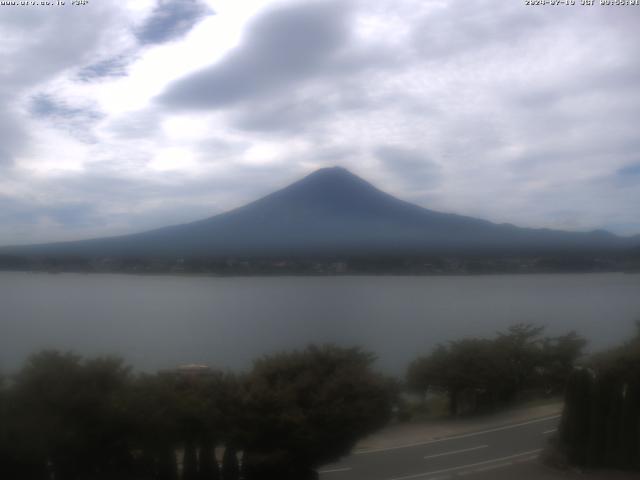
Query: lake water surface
[(163, 321)]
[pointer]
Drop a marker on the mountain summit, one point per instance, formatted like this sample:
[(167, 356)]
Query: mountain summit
[(332, 212)]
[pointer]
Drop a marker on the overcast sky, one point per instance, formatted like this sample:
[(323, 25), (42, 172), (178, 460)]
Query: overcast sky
[(120, 116)]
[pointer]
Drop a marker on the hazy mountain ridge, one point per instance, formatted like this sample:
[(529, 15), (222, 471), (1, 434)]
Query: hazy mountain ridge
[(332, 211)]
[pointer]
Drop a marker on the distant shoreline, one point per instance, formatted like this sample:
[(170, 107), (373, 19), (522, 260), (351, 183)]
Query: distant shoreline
[(319, 275), (458, 264)]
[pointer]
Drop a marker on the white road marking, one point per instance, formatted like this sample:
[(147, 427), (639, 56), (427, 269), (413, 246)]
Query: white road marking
[(547, 432), (456, 437), (464, 467), (525, 459), (493, 467), (453, 452), (335, 470)]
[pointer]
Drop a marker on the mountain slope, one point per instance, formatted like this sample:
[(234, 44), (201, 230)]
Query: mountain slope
[(333, 211)]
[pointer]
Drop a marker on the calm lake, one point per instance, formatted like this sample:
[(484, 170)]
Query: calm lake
[(162, 321)]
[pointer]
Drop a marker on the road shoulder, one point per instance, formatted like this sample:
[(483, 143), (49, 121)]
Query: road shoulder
[(412, 433)]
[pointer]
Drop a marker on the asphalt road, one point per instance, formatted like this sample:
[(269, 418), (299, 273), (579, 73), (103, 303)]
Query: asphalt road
[(507, 451)]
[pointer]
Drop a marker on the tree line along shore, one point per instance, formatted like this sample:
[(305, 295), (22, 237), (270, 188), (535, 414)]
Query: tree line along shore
[(363, 264)]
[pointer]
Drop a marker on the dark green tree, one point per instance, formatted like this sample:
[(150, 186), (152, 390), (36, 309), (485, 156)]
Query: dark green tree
[(208, 468), (470, 371), (559, 357), (307, 408), (428, 372), (608, 436), (481, 374), (71, 414), (153, 414), (190, 462), (575, 423), (230, 466), (630, 427), (520, 350)]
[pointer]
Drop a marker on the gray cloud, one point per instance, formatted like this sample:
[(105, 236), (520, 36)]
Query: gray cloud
[(456, 27), (66, 213), (298, 68), (216, 149), (39, 51), (151, 200), (311, 109), (40, 44), (114, 66), (78, 121), (628, 177), (284, 116), (283, 47), (135, 125), (168, 21), (333, 155), (47, 106), (630, 171), (171, 19), (413, 167), (13, 138), (73, 215)]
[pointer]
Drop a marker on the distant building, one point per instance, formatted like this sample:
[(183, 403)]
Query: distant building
[(339, 267), (194, 370)]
